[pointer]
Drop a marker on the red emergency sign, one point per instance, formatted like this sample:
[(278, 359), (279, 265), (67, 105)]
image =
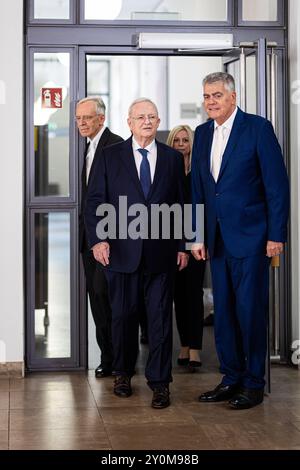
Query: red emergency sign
[(51, 97)]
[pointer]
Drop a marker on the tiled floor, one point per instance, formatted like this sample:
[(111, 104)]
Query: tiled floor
[(77, 411)]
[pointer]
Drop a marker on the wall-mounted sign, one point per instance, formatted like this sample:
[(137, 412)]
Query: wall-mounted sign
[(51, 98)]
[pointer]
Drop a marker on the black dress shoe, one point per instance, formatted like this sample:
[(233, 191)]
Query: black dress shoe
[(161, 397), (101, 372), (246, 398), (122, 386), (183, 361), (220, 393), (195, 364)]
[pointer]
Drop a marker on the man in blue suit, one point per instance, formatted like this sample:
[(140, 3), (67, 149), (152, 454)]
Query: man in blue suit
[(139, 269), (239, 175)]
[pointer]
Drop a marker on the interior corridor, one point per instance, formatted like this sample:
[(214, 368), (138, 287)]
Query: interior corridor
[(76, 411)]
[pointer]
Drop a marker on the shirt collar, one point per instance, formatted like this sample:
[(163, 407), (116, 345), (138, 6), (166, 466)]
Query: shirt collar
[(149, 147), (229, 122), (95, 141)]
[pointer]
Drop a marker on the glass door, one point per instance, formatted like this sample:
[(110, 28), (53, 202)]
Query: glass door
[(51, 209), (173, 82)]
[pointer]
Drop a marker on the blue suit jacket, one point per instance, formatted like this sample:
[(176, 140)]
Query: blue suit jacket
[(250, 199), (115, 175)]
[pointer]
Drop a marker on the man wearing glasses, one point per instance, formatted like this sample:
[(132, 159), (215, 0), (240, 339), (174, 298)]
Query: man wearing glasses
[(139, 270), (90, 117)]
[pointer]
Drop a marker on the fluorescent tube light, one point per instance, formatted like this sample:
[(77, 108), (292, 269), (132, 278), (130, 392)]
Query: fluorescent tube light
[(184, 41)]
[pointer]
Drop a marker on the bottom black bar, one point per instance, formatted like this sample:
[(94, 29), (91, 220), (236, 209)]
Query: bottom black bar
[(135, 459)]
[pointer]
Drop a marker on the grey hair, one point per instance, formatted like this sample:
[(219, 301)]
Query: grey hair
[(223, 77), (99, 103), (141, 100)]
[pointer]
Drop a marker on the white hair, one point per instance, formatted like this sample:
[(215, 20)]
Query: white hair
[(99, 103), (141, 100)]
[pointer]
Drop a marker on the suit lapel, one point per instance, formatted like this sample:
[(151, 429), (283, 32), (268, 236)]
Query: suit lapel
[(235, 134), (101, 144), (104, 139), (210, 136), (160, 168), (127, 158), (83, 173)]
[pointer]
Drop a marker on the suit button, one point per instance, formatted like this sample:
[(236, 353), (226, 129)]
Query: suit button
[(217, 194)]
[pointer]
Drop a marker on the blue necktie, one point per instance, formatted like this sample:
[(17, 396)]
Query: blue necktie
[(145, 174)]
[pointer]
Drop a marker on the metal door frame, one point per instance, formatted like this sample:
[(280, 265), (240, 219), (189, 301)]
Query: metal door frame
[(114, 40)]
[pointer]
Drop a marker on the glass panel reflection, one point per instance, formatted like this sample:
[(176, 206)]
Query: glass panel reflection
[(98, 71), (51, 123), (52, 9), (260, 10), (52, 285), (234, 69), (251, 84), (174, 84), (167, 10), (251, 95)]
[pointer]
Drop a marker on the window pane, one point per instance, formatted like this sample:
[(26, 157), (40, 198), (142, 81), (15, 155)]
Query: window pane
[(98, 75), (173, 83), (251, 85), (98, 80), (52, 9), (167, 10), (52, 285), (51, 123), (259, 10)]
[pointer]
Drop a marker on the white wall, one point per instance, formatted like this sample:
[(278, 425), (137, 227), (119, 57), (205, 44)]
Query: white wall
[(185, 85), (294, 62), (11, 180)]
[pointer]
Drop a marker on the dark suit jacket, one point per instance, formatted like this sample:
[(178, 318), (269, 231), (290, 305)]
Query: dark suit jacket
[(115, 175), (107, 138), (250, 199)]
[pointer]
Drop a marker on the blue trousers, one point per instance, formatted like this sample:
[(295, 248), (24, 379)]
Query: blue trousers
[(126, 292), (241, 291)]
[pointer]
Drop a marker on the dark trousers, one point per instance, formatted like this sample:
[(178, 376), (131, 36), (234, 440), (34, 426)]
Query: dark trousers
[(240, 288), (188, 303), (100, 306), (125, 295), (143, 319)]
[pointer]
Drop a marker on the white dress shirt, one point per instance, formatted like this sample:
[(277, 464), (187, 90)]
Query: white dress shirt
[(152, 156), (91, 151), (226, 130)]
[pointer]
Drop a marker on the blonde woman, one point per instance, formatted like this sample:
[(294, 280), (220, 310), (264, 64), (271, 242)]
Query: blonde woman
[(188, 297)]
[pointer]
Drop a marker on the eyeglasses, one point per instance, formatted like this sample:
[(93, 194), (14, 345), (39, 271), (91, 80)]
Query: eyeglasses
[(143, 118), (85, 118)]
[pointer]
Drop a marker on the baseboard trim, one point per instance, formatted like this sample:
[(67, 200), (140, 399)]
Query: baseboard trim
[(12, 370)]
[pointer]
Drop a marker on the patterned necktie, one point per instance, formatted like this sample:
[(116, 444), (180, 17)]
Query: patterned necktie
[(145, 174), (217, 152)]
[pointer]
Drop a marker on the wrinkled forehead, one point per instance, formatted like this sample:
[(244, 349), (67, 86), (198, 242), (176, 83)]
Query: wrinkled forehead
[(86, 107), (214, 87)]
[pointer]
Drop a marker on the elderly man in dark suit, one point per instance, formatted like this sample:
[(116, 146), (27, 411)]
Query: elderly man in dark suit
[(90, 118), (239, 175), (147, 173)]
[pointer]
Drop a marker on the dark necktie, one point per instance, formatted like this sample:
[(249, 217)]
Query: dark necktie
[(145, 174)]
